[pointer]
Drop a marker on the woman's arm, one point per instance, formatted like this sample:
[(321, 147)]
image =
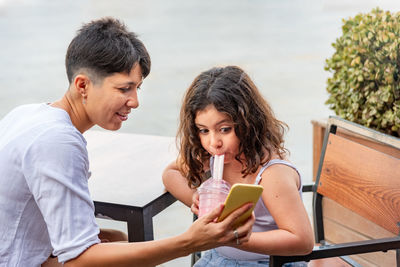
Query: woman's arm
[(177, 184), (281, 197), (203, 234)]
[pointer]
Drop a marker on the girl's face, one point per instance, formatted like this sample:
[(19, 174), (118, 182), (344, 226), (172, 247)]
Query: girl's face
[(217, 133), (110, 102)]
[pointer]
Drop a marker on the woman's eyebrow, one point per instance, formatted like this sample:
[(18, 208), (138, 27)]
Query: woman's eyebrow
[(130, 84), (126, 83)]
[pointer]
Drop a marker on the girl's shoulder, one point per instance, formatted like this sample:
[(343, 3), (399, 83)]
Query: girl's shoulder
[(279, 171)]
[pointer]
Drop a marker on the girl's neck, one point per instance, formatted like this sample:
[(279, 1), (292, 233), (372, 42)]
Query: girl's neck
[(233, 174)]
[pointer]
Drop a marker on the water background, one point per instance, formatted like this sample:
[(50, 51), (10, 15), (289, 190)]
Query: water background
[(281, 44)]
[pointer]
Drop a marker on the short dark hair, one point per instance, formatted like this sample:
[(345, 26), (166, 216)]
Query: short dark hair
[(231, 91), (103, 47)]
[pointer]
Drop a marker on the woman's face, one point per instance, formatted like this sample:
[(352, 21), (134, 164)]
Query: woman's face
[(109, 102), (217, 133)]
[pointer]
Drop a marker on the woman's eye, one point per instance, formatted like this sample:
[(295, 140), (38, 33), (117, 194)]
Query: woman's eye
[(124, 89)]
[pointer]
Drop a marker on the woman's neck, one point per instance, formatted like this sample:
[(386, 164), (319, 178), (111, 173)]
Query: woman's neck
[(75, 110)]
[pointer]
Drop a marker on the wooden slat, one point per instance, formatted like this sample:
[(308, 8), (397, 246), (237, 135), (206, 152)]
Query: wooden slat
[(339, 214), (319, 127), (339, 233), (365, 131), (318, 140), (395, 152), (363, 180), (329, 262), (363, 262), (343, 225)]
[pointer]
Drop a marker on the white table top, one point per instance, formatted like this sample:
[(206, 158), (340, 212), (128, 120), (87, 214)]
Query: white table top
[(126, 168)]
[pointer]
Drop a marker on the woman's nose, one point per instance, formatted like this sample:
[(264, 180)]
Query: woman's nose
[(133, 101)]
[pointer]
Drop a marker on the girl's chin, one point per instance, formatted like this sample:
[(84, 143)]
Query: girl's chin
[(227, 159)]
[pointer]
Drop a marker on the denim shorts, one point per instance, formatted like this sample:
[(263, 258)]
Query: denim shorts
[(212, 258)]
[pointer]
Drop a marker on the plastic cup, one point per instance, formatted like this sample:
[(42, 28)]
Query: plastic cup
[(212, 193)]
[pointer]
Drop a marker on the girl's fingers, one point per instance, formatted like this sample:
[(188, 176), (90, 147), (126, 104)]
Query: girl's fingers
[(194, 209), (195, 203), (195, 198)]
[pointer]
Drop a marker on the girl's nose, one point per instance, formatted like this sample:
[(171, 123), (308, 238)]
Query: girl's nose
[(216, 141)]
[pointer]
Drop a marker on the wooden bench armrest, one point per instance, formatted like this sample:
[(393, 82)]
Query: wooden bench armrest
[(342, 249)]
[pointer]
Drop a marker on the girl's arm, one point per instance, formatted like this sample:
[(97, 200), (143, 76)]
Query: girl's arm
[(203, 234), (281, 197), (177, 184)]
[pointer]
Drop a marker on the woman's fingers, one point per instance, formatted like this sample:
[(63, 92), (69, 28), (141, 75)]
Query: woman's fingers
[(207, 233), (244, 231), (214, 214), (237, 213)]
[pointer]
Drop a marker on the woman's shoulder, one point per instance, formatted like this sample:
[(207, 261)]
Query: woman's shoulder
[(57, 136)]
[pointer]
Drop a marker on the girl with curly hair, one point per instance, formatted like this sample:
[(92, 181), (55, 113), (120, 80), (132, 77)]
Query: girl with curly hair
[(223, 112)]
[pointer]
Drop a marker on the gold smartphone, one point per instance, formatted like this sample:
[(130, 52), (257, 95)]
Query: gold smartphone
[(239, 195)]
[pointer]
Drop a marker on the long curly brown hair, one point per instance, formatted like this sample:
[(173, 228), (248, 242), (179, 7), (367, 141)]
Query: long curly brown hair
[(232, 92)]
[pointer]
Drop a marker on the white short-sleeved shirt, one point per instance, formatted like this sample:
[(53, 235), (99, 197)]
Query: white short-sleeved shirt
[(45, 206)]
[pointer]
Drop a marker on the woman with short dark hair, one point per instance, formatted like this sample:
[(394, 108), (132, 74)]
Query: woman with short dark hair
[(44, 167)]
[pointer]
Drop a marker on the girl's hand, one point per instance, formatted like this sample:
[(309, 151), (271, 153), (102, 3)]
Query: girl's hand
[(195, 203), (205, 233)]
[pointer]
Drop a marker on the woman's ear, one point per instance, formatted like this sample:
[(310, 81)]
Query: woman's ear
[(81, 84)]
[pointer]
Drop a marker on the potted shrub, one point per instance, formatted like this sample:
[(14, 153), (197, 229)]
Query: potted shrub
[(365, 86)]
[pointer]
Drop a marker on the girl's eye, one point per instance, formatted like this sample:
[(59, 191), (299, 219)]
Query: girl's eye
[(226, 129), (203, 131)]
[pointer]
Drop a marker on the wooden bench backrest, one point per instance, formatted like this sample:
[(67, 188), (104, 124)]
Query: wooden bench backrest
[(363, 180)]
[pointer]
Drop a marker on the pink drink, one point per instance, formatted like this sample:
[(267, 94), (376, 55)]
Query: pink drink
[(212, 193)]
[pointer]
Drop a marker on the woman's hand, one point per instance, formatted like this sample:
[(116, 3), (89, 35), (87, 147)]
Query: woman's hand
[(205, 233), (195, 203)]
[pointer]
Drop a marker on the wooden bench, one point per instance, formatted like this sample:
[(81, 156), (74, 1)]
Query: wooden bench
[(364, 181)]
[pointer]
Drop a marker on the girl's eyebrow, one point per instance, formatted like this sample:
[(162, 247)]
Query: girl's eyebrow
[(218, 123)]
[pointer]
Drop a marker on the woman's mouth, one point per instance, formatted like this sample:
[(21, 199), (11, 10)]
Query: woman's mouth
[(122, 116)]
